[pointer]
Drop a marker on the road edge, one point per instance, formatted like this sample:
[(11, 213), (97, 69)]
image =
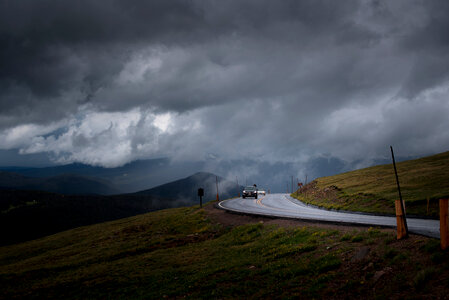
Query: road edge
[(288, 197)]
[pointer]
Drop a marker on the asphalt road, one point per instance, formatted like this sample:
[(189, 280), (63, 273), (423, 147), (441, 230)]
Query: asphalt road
[(282, 205)]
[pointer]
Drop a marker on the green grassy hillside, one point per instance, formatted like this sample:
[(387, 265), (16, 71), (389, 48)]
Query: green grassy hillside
[(374, 189), (179, 253), (26, 215)]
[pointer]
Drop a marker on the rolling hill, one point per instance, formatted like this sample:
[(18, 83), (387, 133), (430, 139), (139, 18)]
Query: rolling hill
[(35, 207), (374, 189), (186, 189), (26, 214), (184, 253)]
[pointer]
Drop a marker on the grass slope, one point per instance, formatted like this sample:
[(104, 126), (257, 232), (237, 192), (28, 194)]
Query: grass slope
[(179, 252), (374, 189), (26, 215)]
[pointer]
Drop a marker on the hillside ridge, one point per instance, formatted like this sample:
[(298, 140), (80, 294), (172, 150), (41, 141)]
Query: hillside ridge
[(374, 189)]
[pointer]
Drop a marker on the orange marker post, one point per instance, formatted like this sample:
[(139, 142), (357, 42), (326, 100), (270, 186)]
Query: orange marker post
[(400, 205), (444, 230), (400, 219)]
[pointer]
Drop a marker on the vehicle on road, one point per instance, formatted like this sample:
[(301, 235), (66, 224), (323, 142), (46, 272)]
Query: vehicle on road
[(261, 192), (250, 191)]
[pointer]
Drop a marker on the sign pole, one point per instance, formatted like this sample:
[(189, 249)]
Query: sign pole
[(297, 186), (201, 194), (216, 182), (444, 229), (238, 188), (292, 183), (404, 219)]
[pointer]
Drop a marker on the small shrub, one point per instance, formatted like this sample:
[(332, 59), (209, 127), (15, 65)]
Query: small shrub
[(437, 257), (326, 263), (401, 257), (390, 253), (390, 239), (345, 237), (423, 276), (357, 238), (245, 234), (375, 232), (431, 246)]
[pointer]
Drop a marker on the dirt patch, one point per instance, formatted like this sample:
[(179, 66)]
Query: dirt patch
[(312, 191)]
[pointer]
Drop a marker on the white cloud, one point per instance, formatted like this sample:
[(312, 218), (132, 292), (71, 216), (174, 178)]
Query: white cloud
[(364, 132), (21, 135), (238, 80), (163, 121), (97, 138)]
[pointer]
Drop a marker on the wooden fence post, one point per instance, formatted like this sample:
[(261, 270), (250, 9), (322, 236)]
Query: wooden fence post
[(400, 219), (444, 229), (401, 203)]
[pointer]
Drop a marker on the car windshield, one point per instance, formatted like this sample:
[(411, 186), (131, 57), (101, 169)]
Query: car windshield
[(250, 188)]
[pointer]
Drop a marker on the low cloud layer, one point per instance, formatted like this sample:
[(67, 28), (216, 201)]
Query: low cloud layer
[(108, 82)]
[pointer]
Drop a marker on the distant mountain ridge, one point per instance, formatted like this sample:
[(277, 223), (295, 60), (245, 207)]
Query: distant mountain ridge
[(186, 189), (70, 184), (132, 177), (82, 181)]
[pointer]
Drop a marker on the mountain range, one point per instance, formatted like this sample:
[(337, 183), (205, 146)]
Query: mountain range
[(69, 184), (132, 177), (186, 189)]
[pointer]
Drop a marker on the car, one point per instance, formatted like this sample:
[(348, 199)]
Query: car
[(249, 191), (261, 192)]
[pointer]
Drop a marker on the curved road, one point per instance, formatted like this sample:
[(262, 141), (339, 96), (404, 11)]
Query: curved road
[(282, 205)]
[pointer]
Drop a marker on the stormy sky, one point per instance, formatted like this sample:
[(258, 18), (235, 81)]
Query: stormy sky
[(106, 83)]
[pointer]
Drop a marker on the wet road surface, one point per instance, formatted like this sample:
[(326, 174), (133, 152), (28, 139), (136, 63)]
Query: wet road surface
[(282, 205)]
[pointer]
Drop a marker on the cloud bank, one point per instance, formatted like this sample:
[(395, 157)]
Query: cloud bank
[(109, 82)]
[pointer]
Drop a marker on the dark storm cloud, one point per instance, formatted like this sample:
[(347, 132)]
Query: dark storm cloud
[(65, 52), (277, 80)]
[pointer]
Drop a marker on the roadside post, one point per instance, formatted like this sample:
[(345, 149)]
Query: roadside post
[(444, 229), (400, 220), (400, 206), (305, 183), (292, 184), (201, 194), (216, 182), (238, 188), (300, 185), (297, 184)]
